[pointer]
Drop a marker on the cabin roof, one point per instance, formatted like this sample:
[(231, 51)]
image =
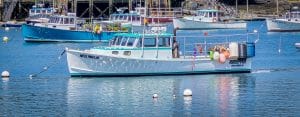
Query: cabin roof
[(147, 35), (208, 10), (124, 14)]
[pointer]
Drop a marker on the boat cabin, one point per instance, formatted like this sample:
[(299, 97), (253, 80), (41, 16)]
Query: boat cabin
[(68, 22), (125, 17), (140, 45), (40, 10), (62, 20), (209, 15), (293, 15)]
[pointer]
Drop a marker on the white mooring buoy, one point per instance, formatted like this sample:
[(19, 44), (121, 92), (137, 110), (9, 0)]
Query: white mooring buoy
[(5, 74), (155, 95), (5, 39), (187, 92), (6, 29)]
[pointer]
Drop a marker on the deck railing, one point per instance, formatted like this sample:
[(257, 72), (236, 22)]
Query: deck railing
[(165, 12), (200, 46)]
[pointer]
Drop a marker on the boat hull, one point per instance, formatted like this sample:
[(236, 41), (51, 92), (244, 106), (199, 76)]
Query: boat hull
[(83, 63), (280, 25), (11, 25), (37, 33), (185, 24)]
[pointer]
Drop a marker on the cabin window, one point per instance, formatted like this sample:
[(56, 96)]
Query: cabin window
[(49, 11), (32, 11), (164, 42), (205, 14), (136, 43), (150, 42), (214, 14), (117, 41), (61, 20), (66, 21), (38, 11), (121, 17), (210, 14), (115, 52), (127, 53), (130, 42), (72, 21), (57, 20), (124, 41), (43, 11), (130, 18)]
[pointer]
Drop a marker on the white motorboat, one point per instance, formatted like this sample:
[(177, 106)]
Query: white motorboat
[(132, 54), (208, 19), (290, 22)]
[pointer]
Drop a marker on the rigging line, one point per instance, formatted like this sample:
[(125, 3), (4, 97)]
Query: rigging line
[(47, 67)]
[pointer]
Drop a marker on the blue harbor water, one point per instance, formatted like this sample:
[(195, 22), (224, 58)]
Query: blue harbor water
[(271, 89)]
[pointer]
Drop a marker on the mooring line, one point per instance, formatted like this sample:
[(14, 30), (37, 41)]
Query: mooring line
[(47, 67)]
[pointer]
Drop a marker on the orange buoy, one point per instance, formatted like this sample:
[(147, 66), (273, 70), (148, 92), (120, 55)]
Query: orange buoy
[(226, 54)]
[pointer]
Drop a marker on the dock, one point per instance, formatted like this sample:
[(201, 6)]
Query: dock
[(18, 9)]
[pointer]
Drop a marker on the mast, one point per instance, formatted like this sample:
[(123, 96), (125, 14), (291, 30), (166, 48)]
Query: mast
[(247, 6), (236, 7), (277, 4)]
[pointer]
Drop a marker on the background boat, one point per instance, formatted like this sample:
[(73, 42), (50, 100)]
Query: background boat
[(208, 19), (66, 29), (290, 22)]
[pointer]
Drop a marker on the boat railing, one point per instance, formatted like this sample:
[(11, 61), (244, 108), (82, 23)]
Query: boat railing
[(165, 12), (200, 46)]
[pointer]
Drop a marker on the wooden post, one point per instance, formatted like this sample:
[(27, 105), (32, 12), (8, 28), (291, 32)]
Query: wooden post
[(110, 3), (91, 8), (75, 6), (236, 7), (247, 6), (1, 9), (130, 5), (277, 4)]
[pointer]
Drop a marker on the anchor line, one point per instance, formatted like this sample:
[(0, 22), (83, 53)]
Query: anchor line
[(49, 66)]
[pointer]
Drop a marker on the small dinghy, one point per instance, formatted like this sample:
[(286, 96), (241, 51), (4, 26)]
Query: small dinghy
[(297, 45)]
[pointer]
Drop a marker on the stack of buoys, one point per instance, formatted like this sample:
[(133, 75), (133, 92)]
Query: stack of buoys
[(219, 54)]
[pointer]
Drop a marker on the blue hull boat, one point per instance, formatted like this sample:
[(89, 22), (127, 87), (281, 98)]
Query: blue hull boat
[(38, 34)]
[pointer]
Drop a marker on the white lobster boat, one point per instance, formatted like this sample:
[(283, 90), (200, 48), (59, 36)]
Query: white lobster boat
[(207, 19), (291, 22), (132, 54)]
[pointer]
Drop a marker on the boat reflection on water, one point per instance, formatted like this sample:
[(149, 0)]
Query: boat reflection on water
[(133, 96)]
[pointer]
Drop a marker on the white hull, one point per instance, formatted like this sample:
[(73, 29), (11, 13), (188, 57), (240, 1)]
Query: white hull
[(191, 24), (283, 25), (86, 63)]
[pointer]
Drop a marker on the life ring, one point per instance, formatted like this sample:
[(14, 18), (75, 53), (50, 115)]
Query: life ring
[(214, 19)]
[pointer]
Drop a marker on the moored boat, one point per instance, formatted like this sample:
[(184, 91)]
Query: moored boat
[(208, 19), (12, 24), (132, 54), (65, 29), (290, 22)]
